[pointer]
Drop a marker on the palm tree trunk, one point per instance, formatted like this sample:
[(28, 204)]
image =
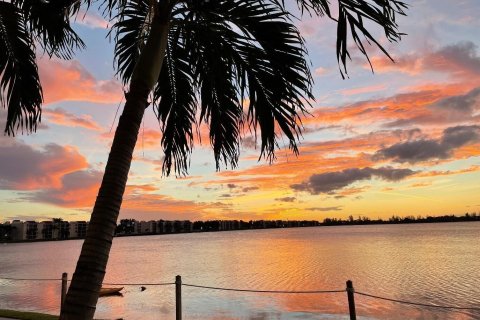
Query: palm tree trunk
[(82, 296)]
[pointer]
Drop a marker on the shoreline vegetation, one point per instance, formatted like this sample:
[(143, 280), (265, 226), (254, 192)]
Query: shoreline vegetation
[(132, 227)]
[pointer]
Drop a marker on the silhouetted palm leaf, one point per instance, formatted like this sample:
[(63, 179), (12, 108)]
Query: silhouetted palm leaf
[(131, 28), (228, 51), (23, 24), (222, 53), (351, 16), (49, 24), (20, 88), (175, 106)]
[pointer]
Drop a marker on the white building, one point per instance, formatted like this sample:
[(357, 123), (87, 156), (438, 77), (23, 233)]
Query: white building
[(147, 227), (78, 229), (24, 230)]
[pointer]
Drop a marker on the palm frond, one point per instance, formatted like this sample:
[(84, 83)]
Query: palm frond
[(221, 106), (225, 53), (256, 42), (351, 23), (49, 25), (20, 89), (352, 14), (131, 26), (175, 105), (112, 7)]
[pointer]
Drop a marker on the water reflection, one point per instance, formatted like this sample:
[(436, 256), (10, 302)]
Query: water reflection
[(435, 263)]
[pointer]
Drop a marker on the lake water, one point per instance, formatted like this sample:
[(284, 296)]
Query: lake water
[(426, 263)]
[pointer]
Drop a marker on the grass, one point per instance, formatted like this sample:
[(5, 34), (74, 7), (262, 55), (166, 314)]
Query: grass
[(23, 315)]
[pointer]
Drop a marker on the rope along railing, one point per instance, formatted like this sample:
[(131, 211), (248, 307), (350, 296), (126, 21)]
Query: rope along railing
[(140, 284), (260, 291), (178, 293), (416, 303), (29, 279), (104, 283)]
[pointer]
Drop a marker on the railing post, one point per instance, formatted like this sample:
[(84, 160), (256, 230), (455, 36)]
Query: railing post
[(178, 297), (351, 300), (64, 289)]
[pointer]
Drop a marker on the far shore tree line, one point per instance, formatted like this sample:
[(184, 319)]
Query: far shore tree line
[(130, 227), (394, 219)]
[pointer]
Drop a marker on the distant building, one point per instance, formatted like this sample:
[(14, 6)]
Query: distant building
[(57, 229), (147, 227), (78, 229), (161, 226), (23, 230), (31, 230), (18, 231), (61, 229), (45, 229), (181, 226)]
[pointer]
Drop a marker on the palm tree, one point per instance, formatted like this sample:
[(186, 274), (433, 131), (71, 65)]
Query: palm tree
[(232, 64)]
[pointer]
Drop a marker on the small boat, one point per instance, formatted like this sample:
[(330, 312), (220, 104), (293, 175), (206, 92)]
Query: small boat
[(110, 291)]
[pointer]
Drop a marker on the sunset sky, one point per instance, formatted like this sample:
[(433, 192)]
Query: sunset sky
[(404, 140)]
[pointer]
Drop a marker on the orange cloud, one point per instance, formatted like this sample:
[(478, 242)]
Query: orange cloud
[(282, 174), (70, 81), (459, 60), (149, 139), (424, 104), (421, 184), (329, 156), (436, 173), (319, 157), (351, 191), (77, 190), (156, 206), (26, 168), (64, 118), (397, 107), (139, 189), (468, 151)]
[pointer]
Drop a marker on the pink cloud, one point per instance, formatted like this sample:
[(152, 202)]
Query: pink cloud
[(70, 81), (91, 20), (320, 71), (425, 104), (409, 64), (64, 118), (360, 90), (459, 60)]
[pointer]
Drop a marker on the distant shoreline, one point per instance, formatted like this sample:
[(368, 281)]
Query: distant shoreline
[(337, 222)]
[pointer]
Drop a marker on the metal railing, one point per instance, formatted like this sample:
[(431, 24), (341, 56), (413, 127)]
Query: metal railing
[(349, 290)]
